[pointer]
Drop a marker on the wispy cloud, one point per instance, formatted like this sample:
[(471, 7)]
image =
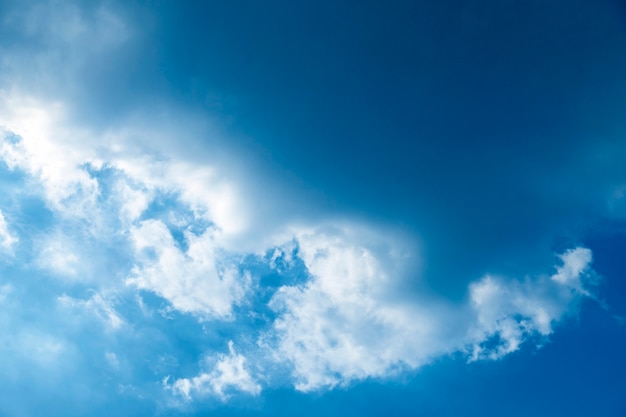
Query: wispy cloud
[(97, 306), (7, 239)]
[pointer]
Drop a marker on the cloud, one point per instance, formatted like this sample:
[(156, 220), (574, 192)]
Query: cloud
[(202, 187), (229, 374), (36, 140), (171, 226), (68, 161), (513, 311), (123, 217), (97, 306), (7, 239), (197, 280), (347, 323), (575, 262), (58, 255), (149, 202), (338, 327)]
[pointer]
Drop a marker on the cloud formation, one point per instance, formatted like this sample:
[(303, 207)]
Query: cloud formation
[(346, 323), (163, 247), (511, 312), (197, 280), (229, 374)]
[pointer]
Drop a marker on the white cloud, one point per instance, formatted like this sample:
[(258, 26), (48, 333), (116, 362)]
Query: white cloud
[(108, 180), (40, 139), (133, 201), (196, 280), (58, 255), (229, 374), (344, 324), (513, 310), (202, 188), (575, 262), (49, 151), (96, 305), (347, 324), (7, 239), (107, 183)]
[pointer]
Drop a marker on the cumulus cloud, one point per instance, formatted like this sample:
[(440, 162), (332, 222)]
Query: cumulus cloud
[(347, 321), (343, 324), (193, 281), (93, 177), (127, 204), (346, 324), (512, 311), (36, 141), (40, 138), (229, 374)]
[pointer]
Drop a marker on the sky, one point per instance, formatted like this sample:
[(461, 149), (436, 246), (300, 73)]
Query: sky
[(317, 208)]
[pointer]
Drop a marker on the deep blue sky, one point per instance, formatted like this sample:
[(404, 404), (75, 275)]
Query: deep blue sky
[(440, 116), (313, 207)]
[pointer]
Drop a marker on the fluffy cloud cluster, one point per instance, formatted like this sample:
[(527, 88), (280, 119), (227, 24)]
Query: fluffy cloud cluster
[(197, 280), (229, 373), (142, 219), (512, 311), (125, 212), (347, 324), (108, 189), (349, 321)]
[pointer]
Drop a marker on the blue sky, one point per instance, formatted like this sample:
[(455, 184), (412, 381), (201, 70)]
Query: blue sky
[(269, 208)]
